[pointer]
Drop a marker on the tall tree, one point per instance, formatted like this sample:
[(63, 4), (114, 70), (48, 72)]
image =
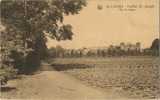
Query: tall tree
[(155, 47), (31, 21)]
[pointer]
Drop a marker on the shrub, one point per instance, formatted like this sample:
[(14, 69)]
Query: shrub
[(7, 73)]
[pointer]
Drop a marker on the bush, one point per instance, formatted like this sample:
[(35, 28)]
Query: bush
[(7, 73)]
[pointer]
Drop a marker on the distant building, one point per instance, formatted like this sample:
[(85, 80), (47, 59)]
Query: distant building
[(130, 47), (122, 46), (112, 50), (138, 46), (85, 51)]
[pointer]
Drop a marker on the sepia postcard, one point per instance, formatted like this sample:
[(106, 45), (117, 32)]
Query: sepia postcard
[(79, 49)]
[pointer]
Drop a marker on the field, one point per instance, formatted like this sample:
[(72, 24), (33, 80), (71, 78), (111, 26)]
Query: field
[(135, 78), (132, 77)]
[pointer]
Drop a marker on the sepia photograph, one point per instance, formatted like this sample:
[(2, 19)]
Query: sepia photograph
[(79, 49)]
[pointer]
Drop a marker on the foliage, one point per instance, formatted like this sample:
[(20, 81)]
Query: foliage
[(28, 23), (40, 16), (155, 47), (7, 73)]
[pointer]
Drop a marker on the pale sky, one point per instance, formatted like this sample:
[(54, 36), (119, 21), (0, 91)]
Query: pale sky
[(101, 28)]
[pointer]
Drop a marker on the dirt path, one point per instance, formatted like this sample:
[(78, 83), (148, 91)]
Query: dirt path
[(55, 85), (51, 85)]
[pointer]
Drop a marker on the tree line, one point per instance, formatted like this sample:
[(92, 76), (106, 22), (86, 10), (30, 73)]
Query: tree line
[(111, 51)]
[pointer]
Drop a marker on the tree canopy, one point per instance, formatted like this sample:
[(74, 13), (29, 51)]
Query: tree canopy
[(28, 23), (155, 47), (34, 16)]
